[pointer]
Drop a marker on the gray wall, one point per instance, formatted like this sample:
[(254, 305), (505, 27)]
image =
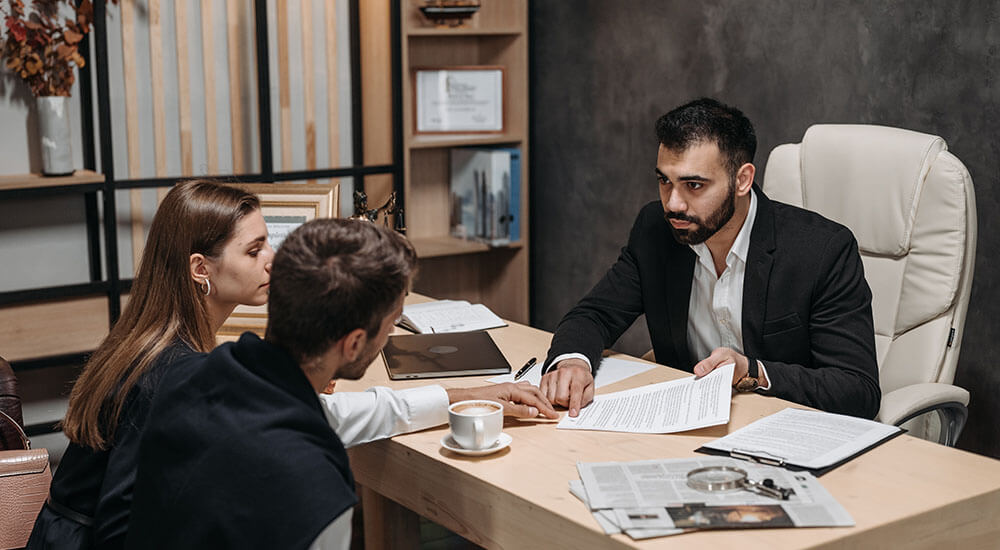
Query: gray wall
[(604, 71)]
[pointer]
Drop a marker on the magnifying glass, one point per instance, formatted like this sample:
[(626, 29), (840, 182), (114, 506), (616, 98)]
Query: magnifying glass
[(720, 479)]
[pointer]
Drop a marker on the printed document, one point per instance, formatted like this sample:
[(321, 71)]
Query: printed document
[(448, 316), (612, 370), (808, 439), (675, 406)]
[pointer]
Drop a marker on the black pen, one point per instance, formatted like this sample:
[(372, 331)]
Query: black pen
[(524, 370)]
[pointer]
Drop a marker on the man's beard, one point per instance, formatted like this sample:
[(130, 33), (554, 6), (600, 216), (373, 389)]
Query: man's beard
[(705, 229), (356, 369)]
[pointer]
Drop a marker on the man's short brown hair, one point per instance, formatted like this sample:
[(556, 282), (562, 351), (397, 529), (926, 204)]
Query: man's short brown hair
[(332, 276)]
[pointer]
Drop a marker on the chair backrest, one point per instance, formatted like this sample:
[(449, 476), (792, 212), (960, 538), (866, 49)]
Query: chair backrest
[(911, 206), (10, 403)]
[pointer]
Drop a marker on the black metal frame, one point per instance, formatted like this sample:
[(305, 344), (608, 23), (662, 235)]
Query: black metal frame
[(105, 280)]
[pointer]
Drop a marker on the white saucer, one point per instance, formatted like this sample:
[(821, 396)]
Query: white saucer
[(501, 443)]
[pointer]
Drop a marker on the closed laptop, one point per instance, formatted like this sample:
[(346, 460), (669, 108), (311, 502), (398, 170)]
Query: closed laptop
[(443, 355)]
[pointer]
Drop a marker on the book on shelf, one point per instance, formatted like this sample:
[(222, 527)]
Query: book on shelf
[(448, 316), (486, 194)]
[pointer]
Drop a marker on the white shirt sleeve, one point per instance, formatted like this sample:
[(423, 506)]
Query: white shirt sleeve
[(336, 535), (760, 365), (565, 356), (380, 412)]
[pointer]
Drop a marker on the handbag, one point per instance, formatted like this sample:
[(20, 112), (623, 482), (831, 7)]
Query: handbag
[(24, 484)]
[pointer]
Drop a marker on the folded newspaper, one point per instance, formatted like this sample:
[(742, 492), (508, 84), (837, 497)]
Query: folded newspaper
[(651, 498)]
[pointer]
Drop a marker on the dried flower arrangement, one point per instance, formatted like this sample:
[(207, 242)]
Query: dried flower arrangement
[(42, 45)]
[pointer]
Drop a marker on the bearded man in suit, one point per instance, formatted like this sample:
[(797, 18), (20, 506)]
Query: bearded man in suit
[(726, 275)]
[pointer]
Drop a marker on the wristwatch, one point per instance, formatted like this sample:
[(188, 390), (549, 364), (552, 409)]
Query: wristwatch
[(749, 382)]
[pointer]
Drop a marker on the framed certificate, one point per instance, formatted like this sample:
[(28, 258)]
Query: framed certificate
[(459, 100), (285, 207)]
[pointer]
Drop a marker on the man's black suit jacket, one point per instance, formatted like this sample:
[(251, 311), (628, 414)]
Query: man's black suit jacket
[(806, 306)]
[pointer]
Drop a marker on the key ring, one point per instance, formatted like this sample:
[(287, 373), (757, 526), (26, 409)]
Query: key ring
[(720, 479)]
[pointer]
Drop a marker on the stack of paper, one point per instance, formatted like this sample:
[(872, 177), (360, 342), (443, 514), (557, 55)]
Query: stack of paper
[(676, 406), (448, 316), (651, 498)]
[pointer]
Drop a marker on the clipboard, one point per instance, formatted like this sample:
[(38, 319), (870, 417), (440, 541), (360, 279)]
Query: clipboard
[(789, 417), (762, 457)]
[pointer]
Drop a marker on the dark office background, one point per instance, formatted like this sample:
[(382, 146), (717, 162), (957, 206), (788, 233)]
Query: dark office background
[(604, 71)]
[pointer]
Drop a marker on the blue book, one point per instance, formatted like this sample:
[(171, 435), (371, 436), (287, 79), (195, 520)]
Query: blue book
[(515, 193)]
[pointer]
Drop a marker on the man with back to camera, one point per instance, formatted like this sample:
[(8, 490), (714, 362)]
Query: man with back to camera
[(725, 275), (238, 451)]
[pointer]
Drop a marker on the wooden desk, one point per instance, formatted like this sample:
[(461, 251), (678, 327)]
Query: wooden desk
[(907, 493)]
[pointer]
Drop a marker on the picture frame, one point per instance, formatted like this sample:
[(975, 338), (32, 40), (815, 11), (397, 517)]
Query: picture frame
[(459, 100), (285, 206)]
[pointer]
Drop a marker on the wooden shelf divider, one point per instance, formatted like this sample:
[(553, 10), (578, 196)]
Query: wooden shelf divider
[(462, 31), (38, 181), (428, 141)]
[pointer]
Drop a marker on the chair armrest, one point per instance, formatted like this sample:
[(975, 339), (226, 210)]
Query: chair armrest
[(906, 403), (899, 405)]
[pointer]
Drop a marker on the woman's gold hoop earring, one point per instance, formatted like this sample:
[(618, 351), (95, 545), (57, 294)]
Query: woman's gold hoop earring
[(206, 287)]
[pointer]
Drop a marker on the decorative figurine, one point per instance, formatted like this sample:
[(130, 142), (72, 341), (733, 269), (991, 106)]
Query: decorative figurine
[(449, 13), (390, 208)]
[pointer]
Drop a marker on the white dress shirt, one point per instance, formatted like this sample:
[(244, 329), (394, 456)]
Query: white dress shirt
[(376, 413), (715, 309), (380, 412)]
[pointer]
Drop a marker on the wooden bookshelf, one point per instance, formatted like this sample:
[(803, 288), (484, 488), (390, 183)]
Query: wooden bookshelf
[(38, 181), (497, 35)]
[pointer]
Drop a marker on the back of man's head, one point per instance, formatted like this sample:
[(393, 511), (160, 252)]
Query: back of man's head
[(708, 120), (332, 276)]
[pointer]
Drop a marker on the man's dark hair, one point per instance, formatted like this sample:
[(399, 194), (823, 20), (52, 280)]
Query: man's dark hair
[(707, 120), (332, 276)]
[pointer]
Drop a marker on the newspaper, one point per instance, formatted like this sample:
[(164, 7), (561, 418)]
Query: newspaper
[(667, 407), (651, 498), (608, 521)]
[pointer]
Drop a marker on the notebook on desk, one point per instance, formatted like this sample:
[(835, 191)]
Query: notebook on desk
[(443, 355)]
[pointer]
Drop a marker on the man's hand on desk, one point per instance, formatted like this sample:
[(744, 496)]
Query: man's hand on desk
[(521, 400), (724, 356), (570, 384)]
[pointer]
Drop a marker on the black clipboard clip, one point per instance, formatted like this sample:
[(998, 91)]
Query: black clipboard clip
[(757, 457)]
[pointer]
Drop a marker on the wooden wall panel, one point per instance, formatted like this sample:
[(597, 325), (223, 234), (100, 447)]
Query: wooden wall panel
[(133, 144), (284, 89), (308, 84), (332, 89), (157, 81), (183, 86), (208, 71), (376, 82), (237, 137)]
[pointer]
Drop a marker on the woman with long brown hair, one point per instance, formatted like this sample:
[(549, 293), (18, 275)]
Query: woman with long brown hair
[(207, 251)]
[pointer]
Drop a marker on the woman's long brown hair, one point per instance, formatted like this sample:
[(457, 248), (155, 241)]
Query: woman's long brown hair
[(165, 305)]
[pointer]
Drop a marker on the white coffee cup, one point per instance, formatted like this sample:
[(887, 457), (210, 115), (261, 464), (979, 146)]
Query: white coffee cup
[(475, 424)]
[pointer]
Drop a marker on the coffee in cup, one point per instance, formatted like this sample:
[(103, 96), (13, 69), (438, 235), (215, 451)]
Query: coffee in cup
[(475, 424)]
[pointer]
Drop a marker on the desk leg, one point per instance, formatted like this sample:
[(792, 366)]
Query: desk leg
[(388, 525)]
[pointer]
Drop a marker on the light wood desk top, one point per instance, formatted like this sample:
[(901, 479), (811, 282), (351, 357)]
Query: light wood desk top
[(905, 493)]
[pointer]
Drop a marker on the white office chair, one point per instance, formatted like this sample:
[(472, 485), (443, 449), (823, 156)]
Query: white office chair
[(911, 205)]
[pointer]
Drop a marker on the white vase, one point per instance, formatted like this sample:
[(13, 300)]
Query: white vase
[(54, 134)]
